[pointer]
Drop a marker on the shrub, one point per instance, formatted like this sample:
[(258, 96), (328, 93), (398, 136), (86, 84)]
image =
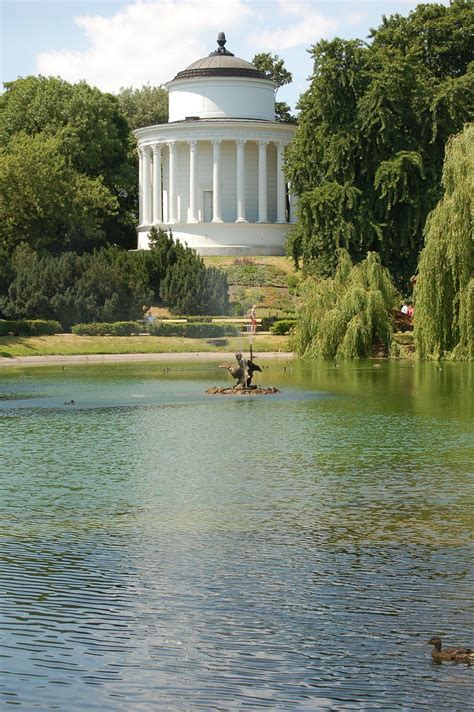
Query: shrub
[(268, 321), (293, 282), (193, 330), (11, 327), (42, 327), (29, 327), (92, 329), (247, 275), (282, 326), (126, 328), (117, 328), (199, 319)]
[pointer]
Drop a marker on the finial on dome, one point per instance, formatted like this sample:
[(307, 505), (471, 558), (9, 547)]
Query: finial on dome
[(221, 40)]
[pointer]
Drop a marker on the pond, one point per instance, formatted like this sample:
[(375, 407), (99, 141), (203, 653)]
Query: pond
[(165, 549)]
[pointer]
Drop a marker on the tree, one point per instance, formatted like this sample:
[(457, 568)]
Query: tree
[(348, 315), (440, 36), (144, 107), (45, 202), (444, 291), (92, 138), (274, 68), (367, 157), (188, 287), (72, 288)]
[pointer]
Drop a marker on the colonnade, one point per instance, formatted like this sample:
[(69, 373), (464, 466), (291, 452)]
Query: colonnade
[(151, 188)]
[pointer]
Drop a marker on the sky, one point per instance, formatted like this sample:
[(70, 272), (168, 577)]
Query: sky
[(115, 43)]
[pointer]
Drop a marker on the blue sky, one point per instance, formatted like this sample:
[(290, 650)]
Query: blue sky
[(112, 43)]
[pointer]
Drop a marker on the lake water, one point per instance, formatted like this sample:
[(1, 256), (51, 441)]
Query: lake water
[(165, 549)]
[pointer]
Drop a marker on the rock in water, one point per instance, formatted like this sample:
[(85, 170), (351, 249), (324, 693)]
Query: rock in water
[(219, 390)]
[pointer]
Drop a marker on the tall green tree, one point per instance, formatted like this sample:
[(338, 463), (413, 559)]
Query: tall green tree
[(91, 138), (367, 158), (274, 68), (444, 291), (144, 107)]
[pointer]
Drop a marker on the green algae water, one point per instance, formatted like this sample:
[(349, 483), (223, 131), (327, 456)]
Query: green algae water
[(165, 549)]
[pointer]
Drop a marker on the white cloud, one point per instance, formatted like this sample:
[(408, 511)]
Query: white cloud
[(145, 42), (303, 26)]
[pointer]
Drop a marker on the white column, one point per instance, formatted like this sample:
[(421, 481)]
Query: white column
[(293, 206), (157, 211), (241, 182), (281, 185), (172, 182), (216, 182), (262, 182), (192, 181), (141, 155), (146, 186)]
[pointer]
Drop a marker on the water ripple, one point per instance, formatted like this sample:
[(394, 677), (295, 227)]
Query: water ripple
[(183, 553)]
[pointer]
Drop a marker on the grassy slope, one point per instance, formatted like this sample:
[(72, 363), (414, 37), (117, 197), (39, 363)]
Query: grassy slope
[(285, 264), (69, 344), (271, 295)]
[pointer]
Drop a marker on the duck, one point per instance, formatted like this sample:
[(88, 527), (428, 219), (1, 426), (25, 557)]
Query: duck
[(459, 655)]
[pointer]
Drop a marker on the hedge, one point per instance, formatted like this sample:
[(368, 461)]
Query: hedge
[(268, 321), (199, 319), (29, 327), (282, 327), (193, 330), (116, 328)]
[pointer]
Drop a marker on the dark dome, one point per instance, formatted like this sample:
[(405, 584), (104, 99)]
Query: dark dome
[(221, 63)]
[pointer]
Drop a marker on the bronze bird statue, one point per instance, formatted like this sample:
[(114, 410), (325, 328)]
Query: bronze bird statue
[(459, 655), (243, 373), (251, 368), (238, 372)]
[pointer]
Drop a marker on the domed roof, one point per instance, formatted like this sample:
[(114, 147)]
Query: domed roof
[(221, 63)]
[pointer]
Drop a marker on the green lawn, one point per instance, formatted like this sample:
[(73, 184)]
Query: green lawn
[(69, 344)]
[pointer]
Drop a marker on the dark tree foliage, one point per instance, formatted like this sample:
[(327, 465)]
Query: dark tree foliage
[(109, 284), (367, 158), (6, 270), (76, 137), (274, 68), (188, 287), (72, 288)]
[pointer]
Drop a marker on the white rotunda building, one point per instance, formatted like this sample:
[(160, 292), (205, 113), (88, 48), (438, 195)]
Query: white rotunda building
[(214, 173)]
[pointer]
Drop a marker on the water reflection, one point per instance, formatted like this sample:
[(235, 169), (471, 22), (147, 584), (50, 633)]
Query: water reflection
[(161, 549)]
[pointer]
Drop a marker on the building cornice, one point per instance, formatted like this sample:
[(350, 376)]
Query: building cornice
[(215, 80), (216, 129)]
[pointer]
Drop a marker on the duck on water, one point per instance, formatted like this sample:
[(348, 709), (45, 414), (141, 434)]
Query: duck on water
[(459, 655)]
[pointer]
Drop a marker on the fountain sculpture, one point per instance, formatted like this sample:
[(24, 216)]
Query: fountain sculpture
[(243, 373)]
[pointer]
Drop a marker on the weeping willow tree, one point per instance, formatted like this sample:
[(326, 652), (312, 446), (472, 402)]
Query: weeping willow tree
[(347, 315), (444, 293)]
